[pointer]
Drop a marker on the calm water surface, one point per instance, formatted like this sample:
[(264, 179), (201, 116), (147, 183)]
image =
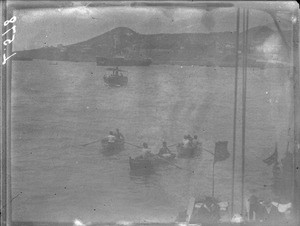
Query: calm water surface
[(57, 108)]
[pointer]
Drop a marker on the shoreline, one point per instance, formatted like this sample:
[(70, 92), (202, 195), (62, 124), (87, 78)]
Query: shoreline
[(259, 65)]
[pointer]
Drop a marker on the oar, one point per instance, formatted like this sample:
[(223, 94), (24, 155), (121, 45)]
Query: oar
[(90, 143), (132, 144), (171, 145), (174, 164), (208, 151)]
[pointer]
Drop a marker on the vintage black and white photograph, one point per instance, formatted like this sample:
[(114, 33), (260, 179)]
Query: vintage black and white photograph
[(150, 113)]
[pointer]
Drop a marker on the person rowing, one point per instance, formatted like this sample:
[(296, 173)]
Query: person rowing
[(195, 140), (146, 151), (164, 150), (111, 138), (116, 72), (186, 142), (119, 135)]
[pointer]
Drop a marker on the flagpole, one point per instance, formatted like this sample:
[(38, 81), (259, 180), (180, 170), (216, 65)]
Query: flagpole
[(213, 180), (243, 77), (244, 95), (235, 108)]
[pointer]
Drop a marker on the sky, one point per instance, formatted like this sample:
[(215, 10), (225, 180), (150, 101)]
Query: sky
[(49, 27)]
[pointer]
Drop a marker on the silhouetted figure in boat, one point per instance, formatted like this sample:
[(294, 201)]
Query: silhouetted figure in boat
[(116, 72), (190, 138), (146, 151), (111, 138), (164, 150), (119, 135), (186, 142)]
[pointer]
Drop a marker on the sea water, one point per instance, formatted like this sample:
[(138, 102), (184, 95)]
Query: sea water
[(56, 109)]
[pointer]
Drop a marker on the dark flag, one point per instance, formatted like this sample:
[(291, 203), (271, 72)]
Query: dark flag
[(221, 151), (272, 159)]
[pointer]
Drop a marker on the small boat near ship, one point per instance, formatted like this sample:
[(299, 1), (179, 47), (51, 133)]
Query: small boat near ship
[(116, 79), (122, 61)]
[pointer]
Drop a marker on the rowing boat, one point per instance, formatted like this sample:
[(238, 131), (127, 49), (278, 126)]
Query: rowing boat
[(112, 148), (149, 163), (115, 81)]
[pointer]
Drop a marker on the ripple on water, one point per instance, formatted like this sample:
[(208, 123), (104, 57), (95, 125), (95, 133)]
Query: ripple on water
[(55, 111)]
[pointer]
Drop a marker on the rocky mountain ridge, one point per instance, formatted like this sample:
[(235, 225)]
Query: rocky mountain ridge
[(181, 48)]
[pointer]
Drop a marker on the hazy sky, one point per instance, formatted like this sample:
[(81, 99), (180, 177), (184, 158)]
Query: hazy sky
[(49, 27)]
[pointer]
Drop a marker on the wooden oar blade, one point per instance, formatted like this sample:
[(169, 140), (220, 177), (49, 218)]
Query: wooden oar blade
[(83, 145), (132, 144), (174, 164)]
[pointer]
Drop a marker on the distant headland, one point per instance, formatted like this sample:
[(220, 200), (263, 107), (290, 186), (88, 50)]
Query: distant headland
[(213, 49)]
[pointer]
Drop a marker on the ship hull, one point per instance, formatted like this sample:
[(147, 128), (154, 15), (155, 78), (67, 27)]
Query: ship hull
[(101, 61)]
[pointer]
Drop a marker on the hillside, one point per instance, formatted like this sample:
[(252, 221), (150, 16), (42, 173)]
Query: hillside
[(185, 48)]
